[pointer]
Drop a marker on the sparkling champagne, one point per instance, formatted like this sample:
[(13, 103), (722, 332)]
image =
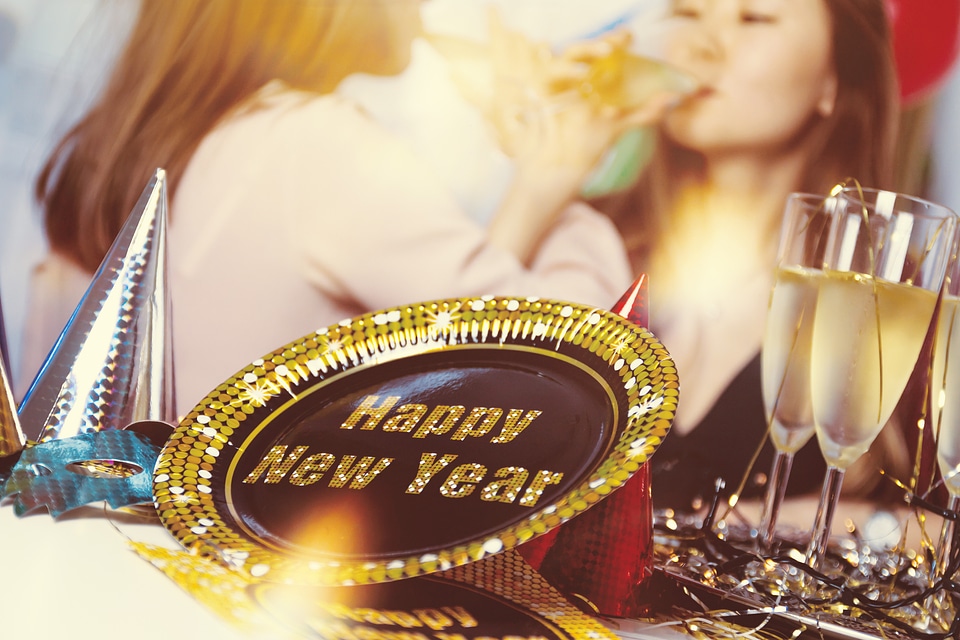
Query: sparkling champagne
[(945, 388), (786, 357), (867, 336), (626, 80)]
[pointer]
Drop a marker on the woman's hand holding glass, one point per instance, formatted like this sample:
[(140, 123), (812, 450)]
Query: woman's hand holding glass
[(556, 114), (566, 108), (561, 105)]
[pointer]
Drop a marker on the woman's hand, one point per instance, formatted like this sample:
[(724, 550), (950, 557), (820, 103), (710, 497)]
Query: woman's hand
[(566, 110), (556, 115)]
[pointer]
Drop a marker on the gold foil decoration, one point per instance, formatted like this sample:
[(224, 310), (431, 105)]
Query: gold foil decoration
[(203, 492), (218, 588), (503, 582)]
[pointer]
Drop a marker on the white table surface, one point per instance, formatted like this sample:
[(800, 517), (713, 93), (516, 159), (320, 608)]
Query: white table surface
[(76, 577)]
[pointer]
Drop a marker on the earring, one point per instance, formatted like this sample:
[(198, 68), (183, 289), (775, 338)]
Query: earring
[(825, 106), (828, 100)]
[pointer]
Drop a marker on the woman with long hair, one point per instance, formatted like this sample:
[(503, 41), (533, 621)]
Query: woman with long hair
[(290, 208), (797, 95)]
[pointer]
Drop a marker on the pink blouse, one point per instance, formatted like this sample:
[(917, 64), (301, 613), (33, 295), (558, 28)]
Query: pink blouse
[(301, 211)]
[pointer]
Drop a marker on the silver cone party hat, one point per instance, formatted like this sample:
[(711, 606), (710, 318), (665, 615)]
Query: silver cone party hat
[(113, 363), (4, 351), (12, 439)]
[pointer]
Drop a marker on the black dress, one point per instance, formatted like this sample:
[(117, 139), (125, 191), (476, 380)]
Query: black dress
[(685, 467)]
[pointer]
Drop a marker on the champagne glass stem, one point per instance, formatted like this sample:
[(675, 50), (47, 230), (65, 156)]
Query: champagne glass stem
[(947, 539), (829, 498), (939, 606), (779, 474)]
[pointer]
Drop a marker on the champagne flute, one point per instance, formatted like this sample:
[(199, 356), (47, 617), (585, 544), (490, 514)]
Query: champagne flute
[(884, 266), (785, 354), (945, 414)]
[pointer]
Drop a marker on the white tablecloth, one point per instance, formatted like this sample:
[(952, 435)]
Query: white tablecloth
[(76, 577)]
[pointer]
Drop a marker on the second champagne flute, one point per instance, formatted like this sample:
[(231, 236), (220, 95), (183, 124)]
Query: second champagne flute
[(883, 269), (945, 415), (785, 356)]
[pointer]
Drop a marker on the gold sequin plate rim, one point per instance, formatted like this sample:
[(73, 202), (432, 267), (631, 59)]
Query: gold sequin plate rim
[(186, 492)]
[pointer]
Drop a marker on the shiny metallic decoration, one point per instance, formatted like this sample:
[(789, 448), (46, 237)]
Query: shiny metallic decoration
[(602, 557), (4, 350), (112, 466), (866, 593), (632, 305), (594, 376), (112, 364), (497, 596), (12, 439)]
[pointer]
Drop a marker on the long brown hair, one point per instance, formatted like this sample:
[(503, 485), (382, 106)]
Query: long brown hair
[(188, 63), (856, 140)]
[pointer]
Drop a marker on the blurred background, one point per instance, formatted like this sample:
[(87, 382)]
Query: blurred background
[(54, 56)]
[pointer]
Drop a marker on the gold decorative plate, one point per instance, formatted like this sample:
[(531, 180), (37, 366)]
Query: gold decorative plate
[(500, 596), (415, 439)]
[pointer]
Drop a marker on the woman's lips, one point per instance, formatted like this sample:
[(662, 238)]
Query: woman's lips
[(699, 94), (704, 91)]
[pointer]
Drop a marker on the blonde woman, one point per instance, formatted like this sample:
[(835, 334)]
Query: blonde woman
[(291, 209)]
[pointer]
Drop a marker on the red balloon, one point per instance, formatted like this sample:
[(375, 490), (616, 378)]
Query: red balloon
[(926, 41)]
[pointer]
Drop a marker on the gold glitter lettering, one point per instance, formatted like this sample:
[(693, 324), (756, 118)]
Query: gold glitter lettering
[(460, 483), (312, 469), (406, 418), (461, 615), (403, 619), (357, 475), (433, 424), (372, 616), (367, 410), (278, 466), (433, 618), (486, 417), (514, 426), (535, 490), (505, 490), (399, 618), (429, 466), (409, 418)]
